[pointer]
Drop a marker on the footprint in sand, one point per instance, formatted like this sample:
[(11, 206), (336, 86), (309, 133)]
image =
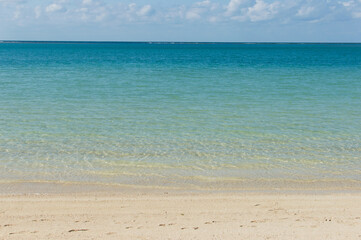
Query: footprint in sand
[(209, 222), (78, 230), (17, 232)]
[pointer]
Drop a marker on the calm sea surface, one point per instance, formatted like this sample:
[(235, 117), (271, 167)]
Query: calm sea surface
[(201, 115)]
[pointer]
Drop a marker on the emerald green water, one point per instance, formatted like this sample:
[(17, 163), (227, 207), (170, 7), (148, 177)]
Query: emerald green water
[(180, 114)]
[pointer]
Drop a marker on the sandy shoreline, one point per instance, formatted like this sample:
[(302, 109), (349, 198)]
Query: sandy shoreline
[(261, 186), (180, 216)]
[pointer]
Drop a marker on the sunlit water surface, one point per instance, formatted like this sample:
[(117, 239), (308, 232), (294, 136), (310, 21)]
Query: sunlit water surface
[(197, 115)]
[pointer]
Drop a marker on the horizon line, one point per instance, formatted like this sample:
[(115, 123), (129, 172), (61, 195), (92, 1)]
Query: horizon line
[(170, 42)]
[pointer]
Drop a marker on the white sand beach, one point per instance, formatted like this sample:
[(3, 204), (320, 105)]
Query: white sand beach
[(180, 216)]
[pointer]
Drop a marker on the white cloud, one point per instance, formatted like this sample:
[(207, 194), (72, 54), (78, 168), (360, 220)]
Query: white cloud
[(114, 12), (233, 6), (262, 11), (214, 19), (305, 11), (347, 4), (101, 14), (254, 11), (314, 11), (205, 3), (354, 7), (193, 14), (201, 10), (87, 2), (145, 11), (53, 8), (132, 6), (37, 11), (175, 13), (17, 14)]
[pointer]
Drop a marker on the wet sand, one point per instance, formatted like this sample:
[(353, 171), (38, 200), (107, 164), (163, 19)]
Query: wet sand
[(180, 216)]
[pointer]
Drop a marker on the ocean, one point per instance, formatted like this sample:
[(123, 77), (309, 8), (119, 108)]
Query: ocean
[(196, 116)]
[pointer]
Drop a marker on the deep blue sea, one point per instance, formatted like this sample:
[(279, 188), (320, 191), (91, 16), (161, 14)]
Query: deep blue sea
[(191, 115)]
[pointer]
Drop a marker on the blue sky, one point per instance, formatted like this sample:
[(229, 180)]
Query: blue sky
[(161, 20)]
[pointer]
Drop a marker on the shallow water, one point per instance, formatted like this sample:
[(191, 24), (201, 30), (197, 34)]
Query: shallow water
[(180, 114)]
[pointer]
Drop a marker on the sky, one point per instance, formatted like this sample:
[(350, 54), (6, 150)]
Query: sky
[(170, 20)]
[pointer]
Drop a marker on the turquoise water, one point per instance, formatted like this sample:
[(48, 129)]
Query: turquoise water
[(180, 114)]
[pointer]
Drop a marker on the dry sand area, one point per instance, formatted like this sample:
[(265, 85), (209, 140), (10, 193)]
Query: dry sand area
[(181, 216)]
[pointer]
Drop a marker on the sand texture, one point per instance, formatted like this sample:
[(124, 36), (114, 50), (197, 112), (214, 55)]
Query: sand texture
[(182, 216)]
